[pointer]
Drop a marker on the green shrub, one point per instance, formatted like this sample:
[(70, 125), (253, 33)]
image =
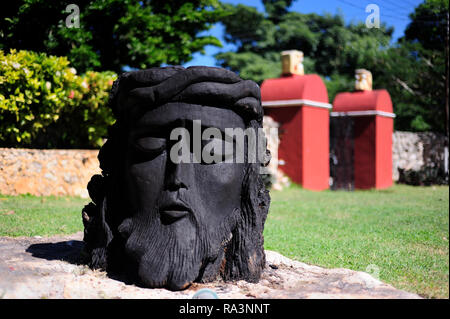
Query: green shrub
[(45, 104)]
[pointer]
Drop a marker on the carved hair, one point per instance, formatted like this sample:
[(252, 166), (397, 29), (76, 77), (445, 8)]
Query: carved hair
[(244, 253)]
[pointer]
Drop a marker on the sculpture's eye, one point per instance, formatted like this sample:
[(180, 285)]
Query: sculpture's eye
[(150, 144)]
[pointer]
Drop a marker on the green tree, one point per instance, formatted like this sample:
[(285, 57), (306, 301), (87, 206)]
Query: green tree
[(428, 24), (112, 33), (331, 48), (412, 70), (276, 8), (429, 31)]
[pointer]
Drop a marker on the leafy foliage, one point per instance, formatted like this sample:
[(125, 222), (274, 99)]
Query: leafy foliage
[(428, 22), (330, 46), (112, 33), (412, 70), (416, 86), (425, 40), (44, 104)]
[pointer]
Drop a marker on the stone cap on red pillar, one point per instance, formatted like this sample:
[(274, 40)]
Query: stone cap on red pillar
[(295, 90), (361, 103)]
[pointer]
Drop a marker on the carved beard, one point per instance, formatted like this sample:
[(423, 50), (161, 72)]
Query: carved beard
[(175, 255)]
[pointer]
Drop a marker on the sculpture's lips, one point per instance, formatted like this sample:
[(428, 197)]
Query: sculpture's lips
[(173, 212)]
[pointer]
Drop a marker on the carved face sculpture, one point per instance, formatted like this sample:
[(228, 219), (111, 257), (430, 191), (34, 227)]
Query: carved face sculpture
[(171, 222), (292, 62), (363, 80)]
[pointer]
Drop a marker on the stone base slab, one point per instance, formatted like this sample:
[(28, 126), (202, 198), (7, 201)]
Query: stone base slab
[(47, 268)]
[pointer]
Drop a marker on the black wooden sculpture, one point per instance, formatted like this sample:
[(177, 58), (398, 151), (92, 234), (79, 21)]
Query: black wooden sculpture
[(172, 223)]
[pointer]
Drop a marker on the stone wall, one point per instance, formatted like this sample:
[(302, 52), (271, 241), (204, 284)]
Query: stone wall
[(46, 172), (277, 178), (419, 158)]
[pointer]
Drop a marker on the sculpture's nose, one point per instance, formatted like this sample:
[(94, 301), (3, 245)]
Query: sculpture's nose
[(178, 175)]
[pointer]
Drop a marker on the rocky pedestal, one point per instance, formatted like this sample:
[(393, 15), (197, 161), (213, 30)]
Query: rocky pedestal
[(48, 268)]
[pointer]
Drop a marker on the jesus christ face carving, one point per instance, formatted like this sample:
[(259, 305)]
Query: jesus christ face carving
[(171, 222), (180, 207)]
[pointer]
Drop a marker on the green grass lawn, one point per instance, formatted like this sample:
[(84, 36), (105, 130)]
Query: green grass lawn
[(27, 215), (403, 231)]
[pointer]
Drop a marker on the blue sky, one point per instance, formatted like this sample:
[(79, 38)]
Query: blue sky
[(392, 12)]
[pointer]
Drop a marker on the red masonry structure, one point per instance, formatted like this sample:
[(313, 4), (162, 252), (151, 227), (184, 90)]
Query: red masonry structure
[(299, 103), (373, 121)]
